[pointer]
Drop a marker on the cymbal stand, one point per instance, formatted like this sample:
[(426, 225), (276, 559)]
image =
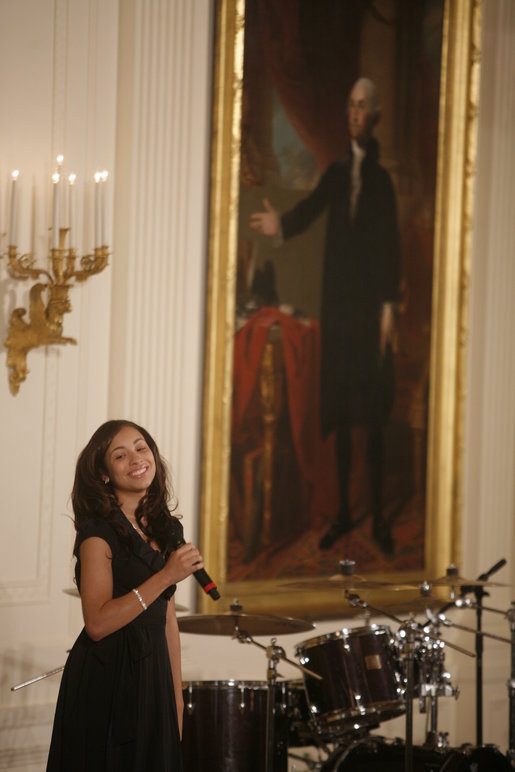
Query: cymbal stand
[(409, 649), (37, 678), (355, 600), (274, 653)]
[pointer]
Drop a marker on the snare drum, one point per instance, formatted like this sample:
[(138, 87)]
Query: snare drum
[(361, 684), (225, 727)]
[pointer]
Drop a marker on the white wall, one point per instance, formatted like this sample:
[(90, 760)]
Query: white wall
[(58, 95), (126, 86)]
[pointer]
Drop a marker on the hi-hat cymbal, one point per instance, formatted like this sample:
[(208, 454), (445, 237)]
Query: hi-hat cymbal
[(254, 624), (73, 591), (342, 582)]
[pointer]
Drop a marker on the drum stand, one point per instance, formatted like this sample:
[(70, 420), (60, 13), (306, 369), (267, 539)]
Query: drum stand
[(274, 653), (437, 685)]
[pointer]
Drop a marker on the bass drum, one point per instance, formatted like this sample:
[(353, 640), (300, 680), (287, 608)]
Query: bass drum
[(225, 727), (376, 754), (483, 758)]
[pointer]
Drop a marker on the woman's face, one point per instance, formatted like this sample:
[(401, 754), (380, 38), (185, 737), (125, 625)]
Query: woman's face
[(129, 463)]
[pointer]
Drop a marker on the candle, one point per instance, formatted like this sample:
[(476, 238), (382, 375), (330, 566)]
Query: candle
[(55, 220), (98, 212), (104, 180), (12, 227), (71, 180)]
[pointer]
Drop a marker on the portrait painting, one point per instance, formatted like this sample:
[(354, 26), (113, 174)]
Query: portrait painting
[(323, 419)]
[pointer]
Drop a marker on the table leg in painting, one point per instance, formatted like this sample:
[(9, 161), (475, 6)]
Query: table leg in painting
[(271, 381)]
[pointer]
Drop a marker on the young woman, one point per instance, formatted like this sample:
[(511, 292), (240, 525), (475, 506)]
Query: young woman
[(120, 703)]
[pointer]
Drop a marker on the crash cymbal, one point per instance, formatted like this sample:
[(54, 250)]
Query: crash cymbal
[(460, 581), (230, 622), (73, 591), (341, 582)]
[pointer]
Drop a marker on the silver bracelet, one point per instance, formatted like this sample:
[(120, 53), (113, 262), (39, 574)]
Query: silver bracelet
[(138, 595)]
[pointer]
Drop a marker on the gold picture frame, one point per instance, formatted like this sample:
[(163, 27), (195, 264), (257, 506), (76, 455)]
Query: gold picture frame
[(456, 160)]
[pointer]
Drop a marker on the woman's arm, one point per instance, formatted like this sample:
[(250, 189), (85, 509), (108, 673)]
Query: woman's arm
[(104, 614), (174, 650)]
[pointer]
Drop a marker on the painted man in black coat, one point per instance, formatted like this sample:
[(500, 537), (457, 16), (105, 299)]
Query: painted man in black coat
[(360, 287)]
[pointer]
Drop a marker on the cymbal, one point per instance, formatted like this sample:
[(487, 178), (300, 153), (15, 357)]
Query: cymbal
[(73, 591), (342, 582), (454, 580), (253, 624)]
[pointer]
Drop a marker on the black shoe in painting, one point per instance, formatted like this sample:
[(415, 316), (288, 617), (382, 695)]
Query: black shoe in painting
[(382, 535)]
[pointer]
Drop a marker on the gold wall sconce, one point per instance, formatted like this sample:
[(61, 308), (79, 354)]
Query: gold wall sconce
[(49, 296)]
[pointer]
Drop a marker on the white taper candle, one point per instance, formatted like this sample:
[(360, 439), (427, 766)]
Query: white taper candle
[(14, 197), (55, 217)]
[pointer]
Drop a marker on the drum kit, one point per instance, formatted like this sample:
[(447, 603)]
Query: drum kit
[(353, 680)]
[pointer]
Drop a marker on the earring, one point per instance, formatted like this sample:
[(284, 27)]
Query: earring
[(106, 480)]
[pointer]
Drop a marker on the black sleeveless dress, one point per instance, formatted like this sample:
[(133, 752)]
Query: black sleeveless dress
[(116, 707)]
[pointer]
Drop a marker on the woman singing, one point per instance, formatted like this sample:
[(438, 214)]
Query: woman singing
[(120, 703)]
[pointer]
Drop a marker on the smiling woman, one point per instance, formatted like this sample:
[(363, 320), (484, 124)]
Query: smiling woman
[(120, 703), (130, 468)]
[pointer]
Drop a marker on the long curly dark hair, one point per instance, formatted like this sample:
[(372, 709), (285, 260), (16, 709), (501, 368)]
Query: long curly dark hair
[(93, 499)]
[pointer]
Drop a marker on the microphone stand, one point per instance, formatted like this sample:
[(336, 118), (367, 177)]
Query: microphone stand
[(479, 593)]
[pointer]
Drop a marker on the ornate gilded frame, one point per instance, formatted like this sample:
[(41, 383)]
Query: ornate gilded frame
[(459, 95)]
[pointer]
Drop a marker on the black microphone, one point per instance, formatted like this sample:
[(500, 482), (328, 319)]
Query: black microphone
[(176, 540), (500, 563), (483, 578)]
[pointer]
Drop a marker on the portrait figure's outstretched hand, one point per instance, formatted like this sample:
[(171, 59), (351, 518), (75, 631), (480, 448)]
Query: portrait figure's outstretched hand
[(267, 222)]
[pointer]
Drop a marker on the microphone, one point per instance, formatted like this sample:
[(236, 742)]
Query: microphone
[(176, 540), (500, 563), (484, 578)]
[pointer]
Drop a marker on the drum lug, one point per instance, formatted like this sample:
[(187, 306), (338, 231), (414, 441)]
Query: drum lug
[(189, 705), (242, 700)]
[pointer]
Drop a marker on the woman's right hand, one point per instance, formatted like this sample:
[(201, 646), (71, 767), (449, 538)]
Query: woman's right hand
[(183, 562)]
